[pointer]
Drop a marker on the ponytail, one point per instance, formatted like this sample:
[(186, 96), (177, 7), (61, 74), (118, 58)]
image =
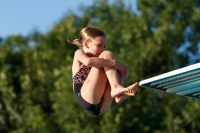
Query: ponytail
[(77, 42)]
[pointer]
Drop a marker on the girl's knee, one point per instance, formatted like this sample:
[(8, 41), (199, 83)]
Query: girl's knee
[(106, 55)]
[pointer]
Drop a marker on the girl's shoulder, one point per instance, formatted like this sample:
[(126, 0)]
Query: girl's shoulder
[(79, 53), (79, 50)]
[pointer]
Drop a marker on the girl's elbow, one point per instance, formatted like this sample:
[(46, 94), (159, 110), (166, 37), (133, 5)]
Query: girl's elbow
[(88, 62)]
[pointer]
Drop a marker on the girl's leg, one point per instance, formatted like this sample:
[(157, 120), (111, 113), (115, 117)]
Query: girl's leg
[(94, 87), (107, 99), (121, 79), (116, 88)]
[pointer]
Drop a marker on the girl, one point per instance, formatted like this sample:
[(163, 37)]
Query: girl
[(97, 75)]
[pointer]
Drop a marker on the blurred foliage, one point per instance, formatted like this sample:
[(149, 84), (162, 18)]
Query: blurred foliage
[(35, 71)]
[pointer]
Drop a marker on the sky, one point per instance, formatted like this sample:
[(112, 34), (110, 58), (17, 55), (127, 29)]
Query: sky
[(23, 16)]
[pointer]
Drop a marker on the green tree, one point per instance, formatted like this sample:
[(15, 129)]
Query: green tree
[(35, 71)]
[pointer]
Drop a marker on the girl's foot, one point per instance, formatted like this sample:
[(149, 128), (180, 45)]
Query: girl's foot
[(129, 91), (121, 98)]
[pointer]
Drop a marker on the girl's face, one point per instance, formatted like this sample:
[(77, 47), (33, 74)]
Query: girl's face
[(96, 46)]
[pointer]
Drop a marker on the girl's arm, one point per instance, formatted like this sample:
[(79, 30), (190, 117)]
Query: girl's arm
[(99, 62), (93, 61)]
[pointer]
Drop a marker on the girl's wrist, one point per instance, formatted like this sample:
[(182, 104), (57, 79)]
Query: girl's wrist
[(114, 63)]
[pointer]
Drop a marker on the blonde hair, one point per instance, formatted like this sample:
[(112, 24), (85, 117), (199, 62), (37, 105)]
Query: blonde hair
[(87, 34)]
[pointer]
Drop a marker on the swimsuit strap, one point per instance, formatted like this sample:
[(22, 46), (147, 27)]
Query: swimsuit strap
[(81, 75)]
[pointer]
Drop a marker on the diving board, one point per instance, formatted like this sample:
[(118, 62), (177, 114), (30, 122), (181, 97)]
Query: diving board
[(184, 82)]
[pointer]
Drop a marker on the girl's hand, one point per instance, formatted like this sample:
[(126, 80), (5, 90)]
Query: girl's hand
[(122, 68)]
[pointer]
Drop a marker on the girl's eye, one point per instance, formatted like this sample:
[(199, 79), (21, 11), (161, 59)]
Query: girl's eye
[(101, 46)]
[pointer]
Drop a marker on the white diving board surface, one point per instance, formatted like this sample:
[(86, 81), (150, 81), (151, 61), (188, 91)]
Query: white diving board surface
[(184, 82)]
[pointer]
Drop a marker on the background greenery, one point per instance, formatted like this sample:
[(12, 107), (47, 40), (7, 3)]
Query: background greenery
[(35, 70)]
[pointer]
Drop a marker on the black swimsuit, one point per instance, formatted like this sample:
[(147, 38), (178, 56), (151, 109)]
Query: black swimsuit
[(78, 81)]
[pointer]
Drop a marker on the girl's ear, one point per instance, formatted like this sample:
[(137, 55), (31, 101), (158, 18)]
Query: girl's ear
[(85, 43)]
